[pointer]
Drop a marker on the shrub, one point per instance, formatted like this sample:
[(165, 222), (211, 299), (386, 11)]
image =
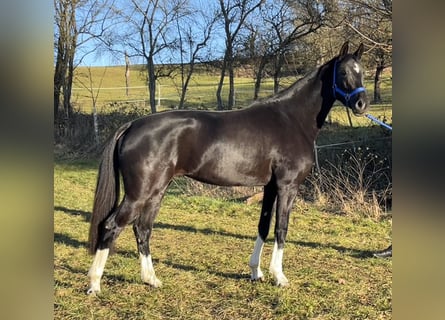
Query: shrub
[(359, 184)]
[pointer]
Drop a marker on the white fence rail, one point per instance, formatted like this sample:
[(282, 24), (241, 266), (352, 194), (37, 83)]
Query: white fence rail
[(165, 93)]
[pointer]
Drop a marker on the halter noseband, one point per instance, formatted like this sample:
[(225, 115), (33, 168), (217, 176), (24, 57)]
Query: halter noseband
[(345, 95)]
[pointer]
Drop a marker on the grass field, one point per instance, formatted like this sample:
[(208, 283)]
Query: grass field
[(201, 248), (109, 85)]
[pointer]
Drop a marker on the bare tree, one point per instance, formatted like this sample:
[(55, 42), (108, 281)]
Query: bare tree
[(79, 25), (234, 14), (94, 93), (367, 21), (66, 33), (147, 30), (76, 24), (194, 33), (276, 30), (371, 21)]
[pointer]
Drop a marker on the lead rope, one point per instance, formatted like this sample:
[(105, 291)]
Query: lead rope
[(378, 121)]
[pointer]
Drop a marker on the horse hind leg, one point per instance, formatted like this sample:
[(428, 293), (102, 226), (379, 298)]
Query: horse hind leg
[(96, 270), (110, 230), (109, 233), (142, 229), (100, 258)]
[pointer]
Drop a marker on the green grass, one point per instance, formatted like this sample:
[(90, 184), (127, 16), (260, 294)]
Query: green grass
[(201, 247)]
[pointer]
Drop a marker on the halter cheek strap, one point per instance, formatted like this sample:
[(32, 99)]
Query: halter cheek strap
[(337, 90)]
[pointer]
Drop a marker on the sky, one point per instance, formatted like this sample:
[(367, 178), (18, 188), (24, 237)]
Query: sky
[(104, 58)]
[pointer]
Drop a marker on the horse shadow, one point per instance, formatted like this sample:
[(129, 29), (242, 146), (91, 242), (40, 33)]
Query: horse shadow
[(205, 231), (353, 252), (239, 276), (73, 212), (67, 240), (192, 268)]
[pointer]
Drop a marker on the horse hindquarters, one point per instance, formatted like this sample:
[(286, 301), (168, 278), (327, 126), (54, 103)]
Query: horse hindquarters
[(140, 203)]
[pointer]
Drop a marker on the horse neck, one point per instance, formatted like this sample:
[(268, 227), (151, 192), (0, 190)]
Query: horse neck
[(313, 101)]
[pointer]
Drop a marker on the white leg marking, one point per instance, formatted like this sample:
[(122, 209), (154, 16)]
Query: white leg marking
[(254, 262), (96, 270), (148, 272), (276, 267)]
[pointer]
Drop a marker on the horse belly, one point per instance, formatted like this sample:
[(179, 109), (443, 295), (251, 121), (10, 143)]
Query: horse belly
[(233, 168)]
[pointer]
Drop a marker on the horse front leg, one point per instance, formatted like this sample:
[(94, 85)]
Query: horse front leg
[(285, 200), (270, 194)]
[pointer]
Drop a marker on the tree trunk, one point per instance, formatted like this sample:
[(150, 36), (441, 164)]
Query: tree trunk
[(259, 77), (67, 87), (231, 100), (151, 84), (184, 78), (127, 73), (69, 55), (276, 83), (185, 85), (230, 67), (220, 105), (377, 81), (277, 73), (59, 75)]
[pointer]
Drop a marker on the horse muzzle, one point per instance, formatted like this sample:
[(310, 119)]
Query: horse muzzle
[(359, 106)]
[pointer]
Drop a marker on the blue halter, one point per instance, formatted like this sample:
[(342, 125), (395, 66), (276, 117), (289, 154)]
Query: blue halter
[(345, 95)]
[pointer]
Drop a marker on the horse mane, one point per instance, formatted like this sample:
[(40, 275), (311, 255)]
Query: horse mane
[(288, 92)]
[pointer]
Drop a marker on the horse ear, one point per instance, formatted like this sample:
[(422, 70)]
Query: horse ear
[(358, 53), (344, 49)]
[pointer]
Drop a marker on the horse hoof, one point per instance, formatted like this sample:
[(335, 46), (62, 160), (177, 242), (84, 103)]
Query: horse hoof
[(281, 281), (282, 284), (155, 283), (92, 292)]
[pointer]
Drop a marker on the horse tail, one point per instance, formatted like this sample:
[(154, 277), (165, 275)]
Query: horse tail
[(107, 188)]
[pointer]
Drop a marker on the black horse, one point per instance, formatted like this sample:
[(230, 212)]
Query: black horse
[(269, 144)]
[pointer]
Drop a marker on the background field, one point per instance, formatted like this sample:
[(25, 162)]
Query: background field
[(204, 236), (109, 85)]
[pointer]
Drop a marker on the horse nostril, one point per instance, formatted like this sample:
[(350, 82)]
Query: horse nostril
[(360, 104)]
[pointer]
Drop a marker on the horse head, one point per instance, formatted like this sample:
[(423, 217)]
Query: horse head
[(348, 80)]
